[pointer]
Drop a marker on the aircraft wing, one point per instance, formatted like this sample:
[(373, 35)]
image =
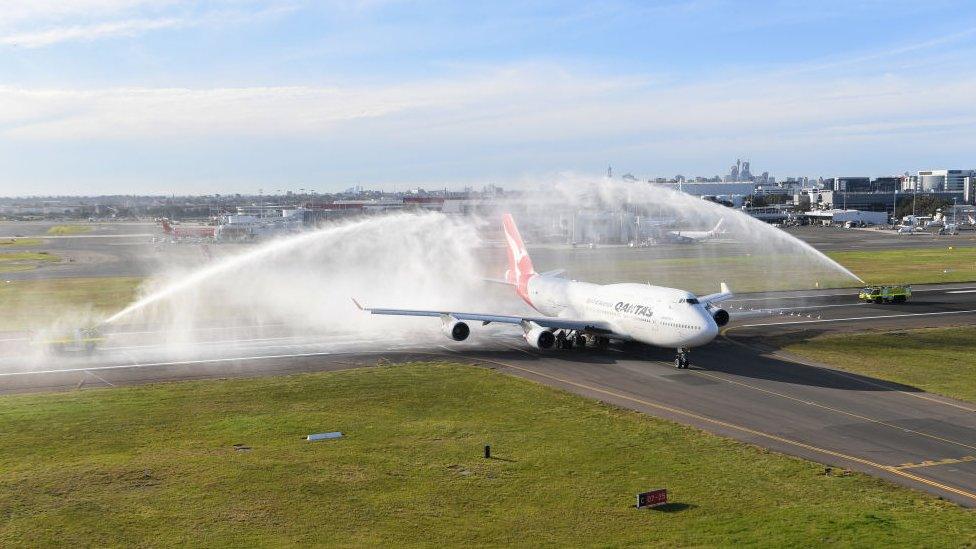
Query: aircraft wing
[(589, 326), (724, 295)]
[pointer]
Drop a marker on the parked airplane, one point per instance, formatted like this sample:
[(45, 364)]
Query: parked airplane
[(574, 312), (697, 236), (180, 231)]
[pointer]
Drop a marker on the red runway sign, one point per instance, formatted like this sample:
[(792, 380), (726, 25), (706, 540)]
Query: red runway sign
[(652, 498)]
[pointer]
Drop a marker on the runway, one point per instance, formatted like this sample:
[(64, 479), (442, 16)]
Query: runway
[(141, 249), (738, 386)]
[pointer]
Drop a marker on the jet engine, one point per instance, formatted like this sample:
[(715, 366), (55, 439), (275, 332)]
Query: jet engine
[(456, 330), (721, 316), (540, 338)]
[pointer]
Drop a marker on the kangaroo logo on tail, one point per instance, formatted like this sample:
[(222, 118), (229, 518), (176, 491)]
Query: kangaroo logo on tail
[(520, 268)]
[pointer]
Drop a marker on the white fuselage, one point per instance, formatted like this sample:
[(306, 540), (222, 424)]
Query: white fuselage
[(693, 235), (665, 317)]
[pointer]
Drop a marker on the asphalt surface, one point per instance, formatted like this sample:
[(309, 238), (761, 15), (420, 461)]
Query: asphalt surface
[(829, 239), (141, 249), (108, 249), (738, 386)]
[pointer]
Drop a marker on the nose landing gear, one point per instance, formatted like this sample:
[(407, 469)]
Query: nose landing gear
[(681, 361)]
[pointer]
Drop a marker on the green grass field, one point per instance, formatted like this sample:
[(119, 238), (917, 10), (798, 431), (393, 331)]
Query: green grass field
[(758, 272), (24, 261), (939, 360), (20, 242), (33, 303), (916, 266), (62, 230), (156, 465), (744, 273)]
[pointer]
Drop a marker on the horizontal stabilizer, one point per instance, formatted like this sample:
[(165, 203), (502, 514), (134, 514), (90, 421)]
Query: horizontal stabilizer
[(498, 281)]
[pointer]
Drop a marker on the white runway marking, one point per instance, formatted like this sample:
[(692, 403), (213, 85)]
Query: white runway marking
[(172, 363), (857, 318), (852, 293), (49, 236), (771, 298), (775, 310), (205, 343), (194, 330), (100, 378)]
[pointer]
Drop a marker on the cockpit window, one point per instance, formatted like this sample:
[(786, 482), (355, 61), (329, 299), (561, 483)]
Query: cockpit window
[(689, 300)]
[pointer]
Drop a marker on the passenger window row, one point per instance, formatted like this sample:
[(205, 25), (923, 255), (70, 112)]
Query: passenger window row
[(679, 325)]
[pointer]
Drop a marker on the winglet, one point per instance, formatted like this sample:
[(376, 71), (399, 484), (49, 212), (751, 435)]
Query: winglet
[(724, 286), (360, 307)]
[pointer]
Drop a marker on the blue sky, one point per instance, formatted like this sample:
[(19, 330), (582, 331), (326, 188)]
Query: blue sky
[(168, 96)]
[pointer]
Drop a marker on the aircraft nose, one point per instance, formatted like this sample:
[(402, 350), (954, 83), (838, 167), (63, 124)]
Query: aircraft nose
[(709, 329)]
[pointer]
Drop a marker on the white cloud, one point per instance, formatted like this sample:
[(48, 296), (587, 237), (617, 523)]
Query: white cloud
[(47, 11), (154, 112), (30, 24), (114, 29), (504, 106)]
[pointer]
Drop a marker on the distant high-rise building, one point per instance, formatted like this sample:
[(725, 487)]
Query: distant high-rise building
[(744, 173), (969, 190), (951, 180), (852, 184), (886, 184)]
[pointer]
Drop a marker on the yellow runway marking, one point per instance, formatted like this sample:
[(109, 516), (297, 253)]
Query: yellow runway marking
[(933, 463), (686, 413)]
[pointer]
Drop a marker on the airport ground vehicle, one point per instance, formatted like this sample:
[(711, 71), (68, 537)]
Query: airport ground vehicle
[(896, 293), (573, 313), (79, 341)]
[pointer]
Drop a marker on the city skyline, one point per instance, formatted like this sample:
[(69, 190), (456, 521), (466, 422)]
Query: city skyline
[(130, 96)]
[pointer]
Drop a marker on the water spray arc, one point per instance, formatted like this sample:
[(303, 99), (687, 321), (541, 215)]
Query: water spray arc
[(784, 255), (300, 286), (281, 248)]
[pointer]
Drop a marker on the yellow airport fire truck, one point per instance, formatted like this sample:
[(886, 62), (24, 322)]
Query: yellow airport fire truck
[(78, 341), (896, 293)]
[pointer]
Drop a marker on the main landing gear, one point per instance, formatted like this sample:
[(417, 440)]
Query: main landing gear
[(569, 339), (681, 361)]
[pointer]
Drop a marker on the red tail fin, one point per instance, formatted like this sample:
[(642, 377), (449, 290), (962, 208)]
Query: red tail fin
[(520, 268), (167, 228)]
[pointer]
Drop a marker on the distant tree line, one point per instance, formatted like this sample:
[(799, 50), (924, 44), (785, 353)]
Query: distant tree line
[(924, 205), (763, 200)]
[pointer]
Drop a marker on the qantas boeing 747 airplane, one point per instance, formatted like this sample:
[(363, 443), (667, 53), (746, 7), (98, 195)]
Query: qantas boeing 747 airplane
[(575, 312)]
